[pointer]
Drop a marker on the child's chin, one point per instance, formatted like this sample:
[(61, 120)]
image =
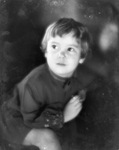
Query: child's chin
[(61, 72)]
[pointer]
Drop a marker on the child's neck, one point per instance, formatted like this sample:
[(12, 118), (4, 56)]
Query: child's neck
[(57, 77)]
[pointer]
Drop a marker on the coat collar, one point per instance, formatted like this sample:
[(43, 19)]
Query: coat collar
[(62, 81)]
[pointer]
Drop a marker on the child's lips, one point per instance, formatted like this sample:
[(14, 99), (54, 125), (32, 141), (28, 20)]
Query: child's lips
[(61, 64)]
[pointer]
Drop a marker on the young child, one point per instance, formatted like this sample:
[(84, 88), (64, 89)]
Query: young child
[(49, 96)]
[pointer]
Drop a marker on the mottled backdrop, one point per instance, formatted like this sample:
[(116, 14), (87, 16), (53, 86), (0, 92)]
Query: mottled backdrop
[(22, 24)]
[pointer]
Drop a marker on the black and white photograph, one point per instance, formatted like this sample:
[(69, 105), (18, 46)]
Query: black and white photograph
[(59, 74)]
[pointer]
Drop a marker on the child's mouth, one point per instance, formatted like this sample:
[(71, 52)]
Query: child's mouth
[(61, 64)]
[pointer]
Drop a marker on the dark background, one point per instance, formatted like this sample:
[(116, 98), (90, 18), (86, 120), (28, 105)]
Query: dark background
[(22, 25)]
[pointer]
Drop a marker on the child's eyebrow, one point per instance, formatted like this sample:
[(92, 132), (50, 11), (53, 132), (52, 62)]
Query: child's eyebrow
[(74, 45), (54, 42), (69, 45)]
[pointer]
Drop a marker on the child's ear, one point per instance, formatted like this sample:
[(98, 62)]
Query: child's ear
[(81, 60), (45, 54)]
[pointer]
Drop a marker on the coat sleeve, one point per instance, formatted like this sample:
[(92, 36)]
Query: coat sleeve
[(37, 113)]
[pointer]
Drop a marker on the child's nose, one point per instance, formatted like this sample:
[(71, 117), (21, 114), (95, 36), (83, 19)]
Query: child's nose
[(62, 54)]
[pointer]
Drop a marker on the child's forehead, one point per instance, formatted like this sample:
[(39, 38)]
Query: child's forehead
[(66, 36), (70, 34)]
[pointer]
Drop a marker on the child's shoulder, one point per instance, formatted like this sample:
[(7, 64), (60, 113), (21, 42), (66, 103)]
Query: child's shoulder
[(85, 76), (36, 72), (35, 75)]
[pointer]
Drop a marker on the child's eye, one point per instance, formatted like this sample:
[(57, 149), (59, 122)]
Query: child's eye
[(55, 47), (70, 49)]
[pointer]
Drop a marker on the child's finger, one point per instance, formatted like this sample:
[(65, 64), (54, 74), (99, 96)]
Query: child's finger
[(76, 105), (79, 107), (77, 102), (77, 110), (81, 99), (74, 99)]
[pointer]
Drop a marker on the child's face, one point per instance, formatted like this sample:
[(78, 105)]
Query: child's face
[(63, 54)]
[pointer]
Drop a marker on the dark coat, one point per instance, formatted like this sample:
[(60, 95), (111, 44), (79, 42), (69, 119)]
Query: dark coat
[(38, 102)]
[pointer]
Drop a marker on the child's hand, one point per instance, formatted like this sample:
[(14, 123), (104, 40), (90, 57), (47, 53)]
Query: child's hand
[(72, 108)]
